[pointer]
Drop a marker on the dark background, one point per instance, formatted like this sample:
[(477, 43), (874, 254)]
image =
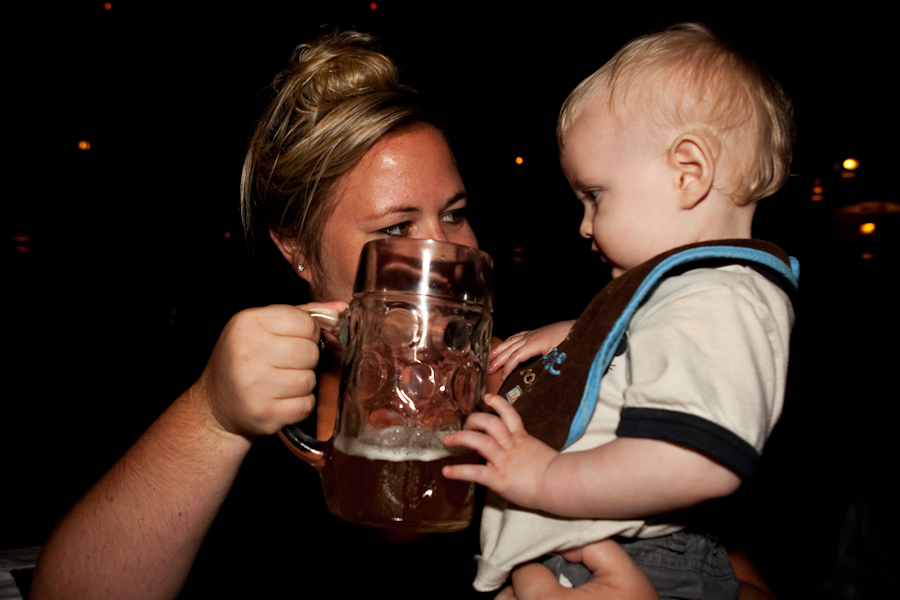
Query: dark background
[(126, 260)]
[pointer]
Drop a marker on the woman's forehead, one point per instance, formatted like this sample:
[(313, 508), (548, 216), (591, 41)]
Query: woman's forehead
[(408, 170)]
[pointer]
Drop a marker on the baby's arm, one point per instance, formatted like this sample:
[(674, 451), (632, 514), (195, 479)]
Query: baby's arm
[(624, 479), (527, 344)]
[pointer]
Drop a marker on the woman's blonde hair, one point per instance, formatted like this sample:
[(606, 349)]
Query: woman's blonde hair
[(686, 77), (335, 99)]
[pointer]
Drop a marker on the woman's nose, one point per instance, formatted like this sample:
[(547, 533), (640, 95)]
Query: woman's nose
[(436, 233), (433, 231)]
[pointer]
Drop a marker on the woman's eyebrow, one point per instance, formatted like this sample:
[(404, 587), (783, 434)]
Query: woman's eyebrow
[(394, 209), (462, 195), (412, 208)]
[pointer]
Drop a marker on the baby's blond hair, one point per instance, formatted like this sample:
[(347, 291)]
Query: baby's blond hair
[(687, 79)]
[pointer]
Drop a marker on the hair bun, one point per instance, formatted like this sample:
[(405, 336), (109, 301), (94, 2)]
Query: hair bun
[(335, 99), (335, 68)]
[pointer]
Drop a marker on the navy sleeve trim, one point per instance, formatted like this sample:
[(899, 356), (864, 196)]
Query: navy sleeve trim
[(693, 432)]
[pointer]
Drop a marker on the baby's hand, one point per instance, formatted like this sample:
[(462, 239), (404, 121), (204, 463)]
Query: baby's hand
[(516, 461), (261, 374), (527, 344)]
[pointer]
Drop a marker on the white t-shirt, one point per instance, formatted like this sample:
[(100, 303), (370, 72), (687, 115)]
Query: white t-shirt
[(705, 366)]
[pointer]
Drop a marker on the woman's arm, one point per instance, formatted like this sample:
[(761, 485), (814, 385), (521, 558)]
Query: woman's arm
[(753, 586), (135, 534), (137, 531)]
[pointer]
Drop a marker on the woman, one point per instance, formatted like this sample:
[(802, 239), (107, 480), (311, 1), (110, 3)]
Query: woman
[(343, 155)]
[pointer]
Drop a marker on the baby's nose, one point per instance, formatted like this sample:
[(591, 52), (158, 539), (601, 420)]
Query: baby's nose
[(586, 230)]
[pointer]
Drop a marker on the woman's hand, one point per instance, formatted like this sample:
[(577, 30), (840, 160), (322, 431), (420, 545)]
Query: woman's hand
[(527, 344), (615, 576), (137, 531), (261, 374), (516, 461)]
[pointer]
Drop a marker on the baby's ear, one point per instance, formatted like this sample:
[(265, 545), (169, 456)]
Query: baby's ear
[(292, 253), (691, 158)]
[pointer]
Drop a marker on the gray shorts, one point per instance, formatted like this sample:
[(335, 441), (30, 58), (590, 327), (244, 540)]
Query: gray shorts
[(682, 565)]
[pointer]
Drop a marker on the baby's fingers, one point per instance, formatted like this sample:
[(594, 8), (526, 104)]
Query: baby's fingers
[(502, 357), (508, 415), (466, 472), (496, 350), (483, 444)]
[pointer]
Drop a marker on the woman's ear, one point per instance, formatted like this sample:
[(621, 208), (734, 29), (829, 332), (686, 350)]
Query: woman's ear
[(691, 158), (291, 253)]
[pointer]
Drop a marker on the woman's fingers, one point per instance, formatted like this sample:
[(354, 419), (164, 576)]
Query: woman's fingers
[(615, 574), (534, 581), (287, 384), (293, 410), (261, 373)]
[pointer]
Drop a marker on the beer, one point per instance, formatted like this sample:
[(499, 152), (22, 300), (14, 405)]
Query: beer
[(383, 486)]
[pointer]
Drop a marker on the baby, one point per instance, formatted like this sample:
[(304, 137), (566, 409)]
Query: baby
[(663, 393)]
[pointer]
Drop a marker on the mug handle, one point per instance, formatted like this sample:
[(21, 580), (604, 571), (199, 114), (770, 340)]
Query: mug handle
[(308, 448), (305, 446)]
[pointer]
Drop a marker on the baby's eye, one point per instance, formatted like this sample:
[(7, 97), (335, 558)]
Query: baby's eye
[(398, 230), (455, 217)]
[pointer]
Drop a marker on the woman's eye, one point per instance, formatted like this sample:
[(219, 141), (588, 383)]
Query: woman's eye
[(455, 216), (398, 230)]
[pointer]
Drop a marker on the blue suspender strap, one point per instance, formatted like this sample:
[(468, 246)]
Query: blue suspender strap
[(738, 254)]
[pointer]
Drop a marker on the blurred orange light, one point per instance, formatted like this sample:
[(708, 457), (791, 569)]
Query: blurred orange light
[(817, 197), (107, 5), (373, 6), (818, 190), (867, 228), (519, 160), (850, 164), (227, 234), (84, 145)]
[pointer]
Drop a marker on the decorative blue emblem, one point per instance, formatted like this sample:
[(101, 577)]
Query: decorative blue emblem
[(552, 360)]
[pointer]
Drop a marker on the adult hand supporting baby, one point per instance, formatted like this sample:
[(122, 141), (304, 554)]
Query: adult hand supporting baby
[(516, 461), (615, 576), (525, 345)]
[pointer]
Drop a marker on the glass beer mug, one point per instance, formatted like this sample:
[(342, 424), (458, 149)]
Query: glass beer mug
[(414, 367)]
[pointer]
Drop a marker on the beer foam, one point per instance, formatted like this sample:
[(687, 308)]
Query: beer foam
[(383, 445)]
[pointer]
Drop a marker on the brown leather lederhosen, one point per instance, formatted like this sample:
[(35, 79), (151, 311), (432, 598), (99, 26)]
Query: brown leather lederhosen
[(555, 394)]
